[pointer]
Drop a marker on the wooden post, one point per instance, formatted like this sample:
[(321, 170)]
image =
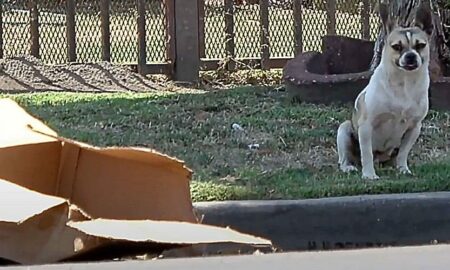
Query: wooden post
[(71, 31), (331, 17), (201, 28), (265, 46), (142, 42), (187, 63), (229, 32), (170, 36), (1, 29), (105, 29), (365, 20), (34, 28), (298, 26)]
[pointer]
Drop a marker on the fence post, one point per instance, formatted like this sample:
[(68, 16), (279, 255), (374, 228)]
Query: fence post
[(1, 29), (105, 29), (265, 46), (229, 33), (365, 19), (298, 26), (187, 61), (170, 36), (142, 41), (71, 31), (201, 28), (331, 17), (34, 28)]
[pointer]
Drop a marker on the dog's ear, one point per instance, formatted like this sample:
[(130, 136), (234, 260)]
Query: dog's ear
[(386, 19), (424, 18)]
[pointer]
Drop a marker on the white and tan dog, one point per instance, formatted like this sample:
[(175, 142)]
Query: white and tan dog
[(388, 113)]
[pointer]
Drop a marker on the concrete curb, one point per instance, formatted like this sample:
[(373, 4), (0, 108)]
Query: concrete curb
[(337, 223), (411, 258)]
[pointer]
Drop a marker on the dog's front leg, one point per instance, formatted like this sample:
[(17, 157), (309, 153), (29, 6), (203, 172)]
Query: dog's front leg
[(365, 143), (408, 141)]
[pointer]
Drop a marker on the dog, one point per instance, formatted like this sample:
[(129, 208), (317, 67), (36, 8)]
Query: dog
[(388, 112)]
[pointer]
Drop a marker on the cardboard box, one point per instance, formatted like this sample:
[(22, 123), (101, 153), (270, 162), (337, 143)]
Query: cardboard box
[(62, 200)]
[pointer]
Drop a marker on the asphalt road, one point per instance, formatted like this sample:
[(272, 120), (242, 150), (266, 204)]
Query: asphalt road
[(410, 258)]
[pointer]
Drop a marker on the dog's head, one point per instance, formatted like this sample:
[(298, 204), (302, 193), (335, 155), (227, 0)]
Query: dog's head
[(407, 48)]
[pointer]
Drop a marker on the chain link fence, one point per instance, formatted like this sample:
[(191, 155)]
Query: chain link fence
[(157, 34), (348, 18), (247, 31), (16, 28), (123, 31), (353, 18), (88, 31), (281, 26), (214, 27), (52, 30)]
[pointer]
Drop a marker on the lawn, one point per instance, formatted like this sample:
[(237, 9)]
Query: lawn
[(296, 157)]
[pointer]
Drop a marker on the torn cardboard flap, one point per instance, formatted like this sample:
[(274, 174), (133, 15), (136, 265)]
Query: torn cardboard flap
[(17, 204), (33, 226), (169, 232), (15, 123), (64, 198)]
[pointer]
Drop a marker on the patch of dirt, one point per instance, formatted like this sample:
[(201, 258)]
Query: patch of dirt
[(27, 74)]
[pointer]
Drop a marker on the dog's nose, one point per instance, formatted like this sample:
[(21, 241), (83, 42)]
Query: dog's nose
[(410, 58)]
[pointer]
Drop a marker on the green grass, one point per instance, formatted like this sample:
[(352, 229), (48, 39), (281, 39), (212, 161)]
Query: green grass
[(296, 158), (123, 33)]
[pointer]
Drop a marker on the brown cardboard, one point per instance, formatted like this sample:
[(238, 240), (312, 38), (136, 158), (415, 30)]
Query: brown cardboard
[(33, 226), (71, 198)]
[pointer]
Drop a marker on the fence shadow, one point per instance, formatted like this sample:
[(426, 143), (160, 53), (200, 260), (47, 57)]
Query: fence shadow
[(80, 79), (38, 74), (4, 88), (21, 75), (108, 74)]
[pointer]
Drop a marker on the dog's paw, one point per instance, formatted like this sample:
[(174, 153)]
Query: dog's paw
[(348, 168), (370, 176), (404, 170)]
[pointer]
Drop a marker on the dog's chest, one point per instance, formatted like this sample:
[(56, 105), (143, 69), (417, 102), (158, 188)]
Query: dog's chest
[(391, 123)]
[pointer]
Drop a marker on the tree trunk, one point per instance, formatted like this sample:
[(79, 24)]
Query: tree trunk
[(404, 11)]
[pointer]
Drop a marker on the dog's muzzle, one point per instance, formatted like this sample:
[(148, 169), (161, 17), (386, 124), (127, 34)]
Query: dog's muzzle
[(409, 61)]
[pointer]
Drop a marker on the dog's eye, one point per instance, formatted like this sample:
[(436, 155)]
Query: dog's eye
[(397, 47), (420, 46)]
